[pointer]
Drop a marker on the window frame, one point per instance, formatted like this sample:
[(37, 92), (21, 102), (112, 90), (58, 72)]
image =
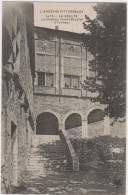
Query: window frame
[(71, 81), (43, 74), (45, 79), (47, 73), (68, 76)]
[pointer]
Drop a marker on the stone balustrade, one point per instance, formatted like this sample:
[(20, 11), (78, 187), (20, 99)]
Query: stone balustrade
[(72, 154)]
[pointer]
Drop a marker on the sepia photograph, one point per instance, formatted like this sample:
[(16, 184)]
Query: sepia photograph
[(63, 102)]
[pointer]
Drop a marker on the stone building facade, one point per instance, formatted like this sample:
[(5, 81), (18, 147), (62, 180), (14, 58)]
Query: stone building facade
[(61, 65), (17, 92)]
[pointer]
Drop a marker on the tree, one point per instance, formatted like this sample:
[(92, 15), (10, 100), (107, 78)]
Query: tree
[(106, 40)]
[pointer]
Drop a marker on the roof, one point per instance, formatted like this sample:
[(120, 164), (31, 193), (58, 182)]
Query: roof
[(60, 33)]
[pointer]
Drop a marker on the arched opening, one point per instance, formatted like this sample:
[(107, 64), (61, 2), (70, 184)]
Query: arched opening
[(95, 116), (95, 123), (47, 124), (73, 125)]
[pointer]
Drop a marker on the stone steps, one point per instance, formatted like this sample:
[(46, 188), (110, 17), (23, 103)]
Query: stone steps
[(54, 150), (47, 169), (49, 146), (48, 166), (49, 163), (47, 160), (36, 157), (42, 143), (48, 153)]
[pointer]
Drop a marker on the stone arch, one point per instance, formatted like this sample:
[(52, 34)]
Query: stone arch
[(95, 122), (98, 107), (50, 111), (73, 125), (72, 112), (47, 124), (95, 116)]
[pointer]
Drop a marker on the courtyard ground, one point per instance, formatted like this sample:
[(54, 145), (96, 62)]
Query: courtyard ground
[(90, 182)]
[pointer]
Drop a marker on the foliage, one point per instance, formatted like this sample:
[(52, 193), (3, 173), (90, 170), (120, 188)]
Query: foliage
[(106, 41), (98, 148)]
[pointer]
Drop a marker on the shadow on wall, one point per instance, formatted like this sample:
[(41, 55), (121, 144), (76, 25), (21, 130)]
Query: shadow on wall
[(73, 125), (73, 121), (47, 124), (75, 132), (96, 123)]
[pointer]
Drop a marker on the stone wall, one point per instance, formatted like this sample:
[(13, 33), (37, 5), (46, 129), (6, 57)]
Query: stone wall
[(5, 155), (118, 128), (14, 158), (63, 106), (10, 113), (17, 96), (75, 132), (96, 129), (61, 53)]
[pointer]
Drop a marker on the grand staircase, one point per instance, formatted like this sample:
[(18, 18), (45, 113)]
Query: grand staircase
[(48, 154)]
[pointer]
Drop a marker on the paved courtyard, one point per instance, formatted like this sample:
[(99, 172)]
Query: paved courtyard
[(91, 182)]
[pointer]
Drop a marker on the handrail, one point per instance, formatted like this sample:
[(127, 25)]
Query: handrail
[(72, 153)]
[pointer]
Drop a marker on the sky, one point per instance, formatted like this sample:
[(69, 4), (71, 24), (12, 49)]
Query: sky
[(65, 16)]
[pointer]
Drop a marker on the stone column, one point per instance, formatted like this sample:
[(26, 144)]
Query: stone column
[(61, 126), (75, 160), (84, 129), (106, 125)]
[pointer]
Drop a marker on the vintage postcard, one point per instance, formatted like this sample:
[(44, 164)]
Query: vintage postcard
[(63, 98)]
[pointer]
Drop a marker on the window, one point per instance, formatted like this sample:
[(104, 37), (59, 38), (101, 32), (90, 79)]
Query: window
[(41, 78), (75, 82), (49, 79), (67, 81), (45, 79), (71, 81)]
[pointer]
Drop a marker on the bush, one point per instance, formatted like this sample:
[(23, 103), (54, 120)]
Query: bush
[(98, 148)]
